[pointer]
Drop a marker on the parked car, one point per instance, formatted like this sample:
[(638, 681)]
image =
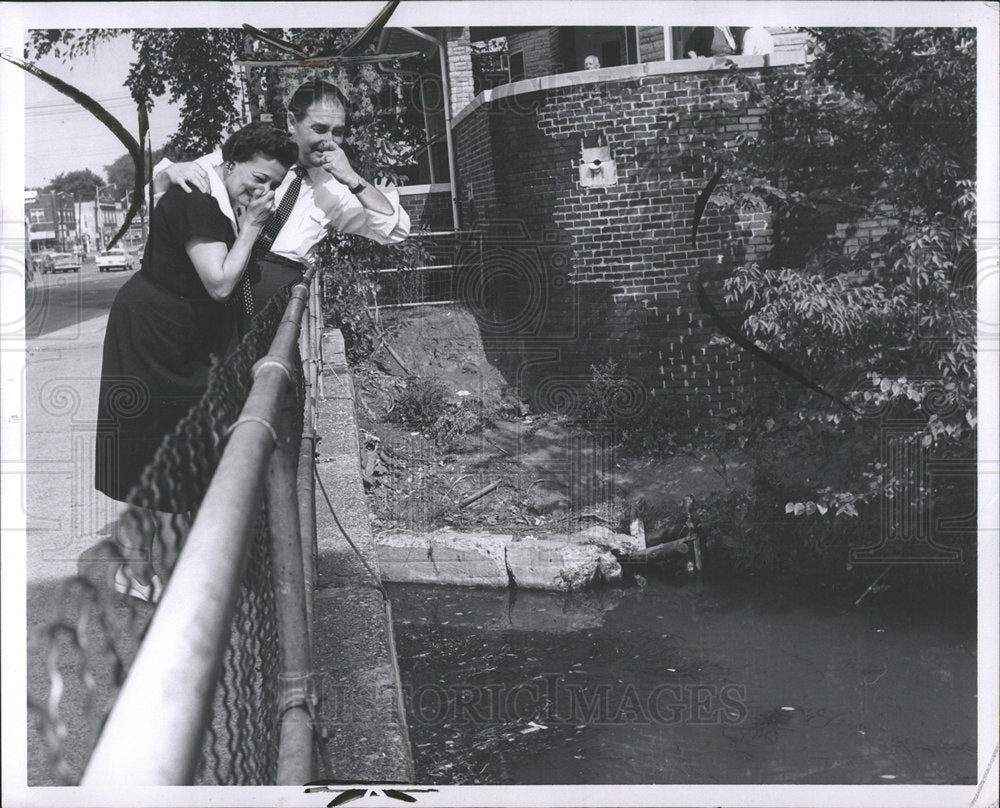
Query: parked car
[(115, 258), (65, 262), (43, 263)]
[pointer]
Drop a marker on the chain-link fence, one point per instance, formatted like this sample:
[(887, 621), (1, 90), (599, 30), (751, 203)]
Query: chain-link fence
[(97, 636)]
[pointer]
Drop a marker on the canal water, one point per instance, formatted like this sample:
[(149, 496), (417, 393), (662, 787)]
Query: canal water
[(752, 681)]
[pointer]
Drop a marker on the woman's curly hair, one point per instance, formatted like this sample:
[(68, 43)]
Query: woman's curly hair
[(260, 138)]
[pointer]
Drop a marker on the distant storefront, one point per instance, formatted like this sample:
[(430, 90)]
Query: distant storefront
[(51, 219), (98, 224)]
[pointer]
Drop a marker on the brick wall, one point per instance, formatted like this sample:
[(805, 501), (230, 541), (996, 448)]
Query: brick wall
[(460, 76), (789, 39), (600, 273), (542, 51), (651, 44), (429, 208)]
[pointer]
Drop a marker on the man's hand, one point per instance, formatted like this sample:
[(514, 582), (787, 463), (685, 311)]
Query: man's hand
[(187, 175), (336, 163)]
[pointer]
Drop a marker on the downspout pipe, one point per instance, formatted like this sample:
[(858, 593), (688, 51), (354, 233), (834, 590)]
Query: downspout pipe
[(446, 92)]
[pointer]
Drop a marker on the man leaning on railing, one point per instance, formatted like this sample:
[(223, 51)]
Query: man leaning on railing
[(322, 194)]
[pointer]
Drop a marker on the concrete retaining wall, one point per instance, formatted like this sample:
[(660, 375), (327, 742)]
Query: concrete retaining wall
[(353, 654)]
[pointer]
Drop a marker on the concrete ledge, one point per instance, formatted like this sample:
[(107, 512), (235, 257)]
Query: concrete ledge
[(358, 678), (579, 78), (426, 188)]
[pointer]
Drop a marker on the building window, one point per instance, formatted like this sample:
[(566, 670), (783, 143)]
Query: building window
[(517, 65), (612, 45)]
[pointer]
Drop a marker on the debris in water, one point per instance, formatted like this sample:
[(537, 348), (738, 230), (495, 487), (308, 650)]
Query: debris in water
[(788, 708), (888, 776)]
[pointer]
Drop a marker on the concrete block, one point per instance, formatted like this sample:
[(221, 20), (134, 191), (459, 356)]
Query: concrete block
[(558, 566), (621, 544), (444, 557)]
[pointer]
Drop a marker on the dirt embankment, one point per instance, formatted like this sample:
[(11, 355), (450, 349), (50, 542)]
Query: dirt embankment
[(447, 443)]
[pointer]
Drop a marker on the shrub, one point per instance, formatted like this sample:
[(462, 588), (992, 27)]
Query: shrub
[(879, 128), (421, 403)]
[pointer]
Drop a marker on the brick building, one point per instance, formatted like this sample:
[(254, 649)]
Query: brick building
[(98, 222), (51, 219), (566, 265)]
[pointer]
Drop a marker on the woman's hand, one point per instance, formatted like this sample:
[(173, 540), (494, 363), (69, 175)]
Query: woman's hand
[(260, 209)]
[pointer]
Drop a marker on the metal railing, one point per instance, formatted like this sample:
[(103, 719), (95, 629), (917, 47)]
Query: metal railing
[(208, 670)]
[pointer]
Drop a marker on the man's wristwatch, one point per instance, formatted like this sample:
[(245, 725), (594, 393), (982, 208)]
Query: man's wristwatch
[(357, 189)]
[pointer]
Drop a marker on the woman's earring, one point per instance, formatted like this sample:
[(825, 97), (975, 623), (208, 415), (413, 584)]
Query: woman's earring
[(229, 167)]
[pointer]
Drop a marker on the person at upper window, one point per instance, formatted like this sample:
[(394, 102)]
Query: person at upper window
[(757, 41), (718, 41), (331, 196), (591, 63)]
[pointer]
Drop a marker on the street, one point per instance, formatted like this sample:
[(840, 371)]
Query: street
[(53, 302)]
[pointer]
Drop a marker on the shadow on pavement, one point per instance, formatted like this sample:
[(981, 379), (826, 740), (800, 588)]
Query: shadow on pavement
[(82, 637)]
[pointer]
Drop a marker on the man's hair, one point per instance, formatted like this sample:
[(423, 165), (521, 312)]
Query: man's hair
[(260, 138), (316, 90)]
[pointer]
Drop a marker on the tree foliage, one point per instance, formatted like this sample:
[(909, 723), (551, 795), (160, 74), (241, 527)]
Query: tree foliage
[(866, 158), (192, 66), (79, 184), (195, 68), (121, 172)]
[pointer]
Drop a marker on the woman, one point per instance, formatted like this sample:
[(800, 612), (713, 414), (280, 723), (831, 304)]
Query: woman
[(171, 316)]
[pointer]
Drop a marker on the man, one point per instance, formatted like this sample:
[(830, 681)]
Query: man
[(757, 41), (332, 196), (718, 41)]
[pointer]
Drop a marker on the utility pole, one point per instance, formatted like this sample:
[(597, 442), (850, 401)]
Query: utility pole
[(97, 216)]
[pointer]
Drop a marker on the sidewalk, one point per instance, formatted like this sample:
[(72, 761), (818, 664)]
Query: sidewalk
[(64, 511)]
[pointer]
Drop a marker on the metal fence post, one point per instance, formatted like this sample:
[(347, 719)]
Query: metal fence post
[(316, 302), (297, 700), (309, 351), (307, 517)]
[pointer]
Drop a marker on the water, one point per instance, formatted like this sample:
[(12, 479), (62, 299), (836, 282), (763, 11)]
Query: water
[(748, 682)]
